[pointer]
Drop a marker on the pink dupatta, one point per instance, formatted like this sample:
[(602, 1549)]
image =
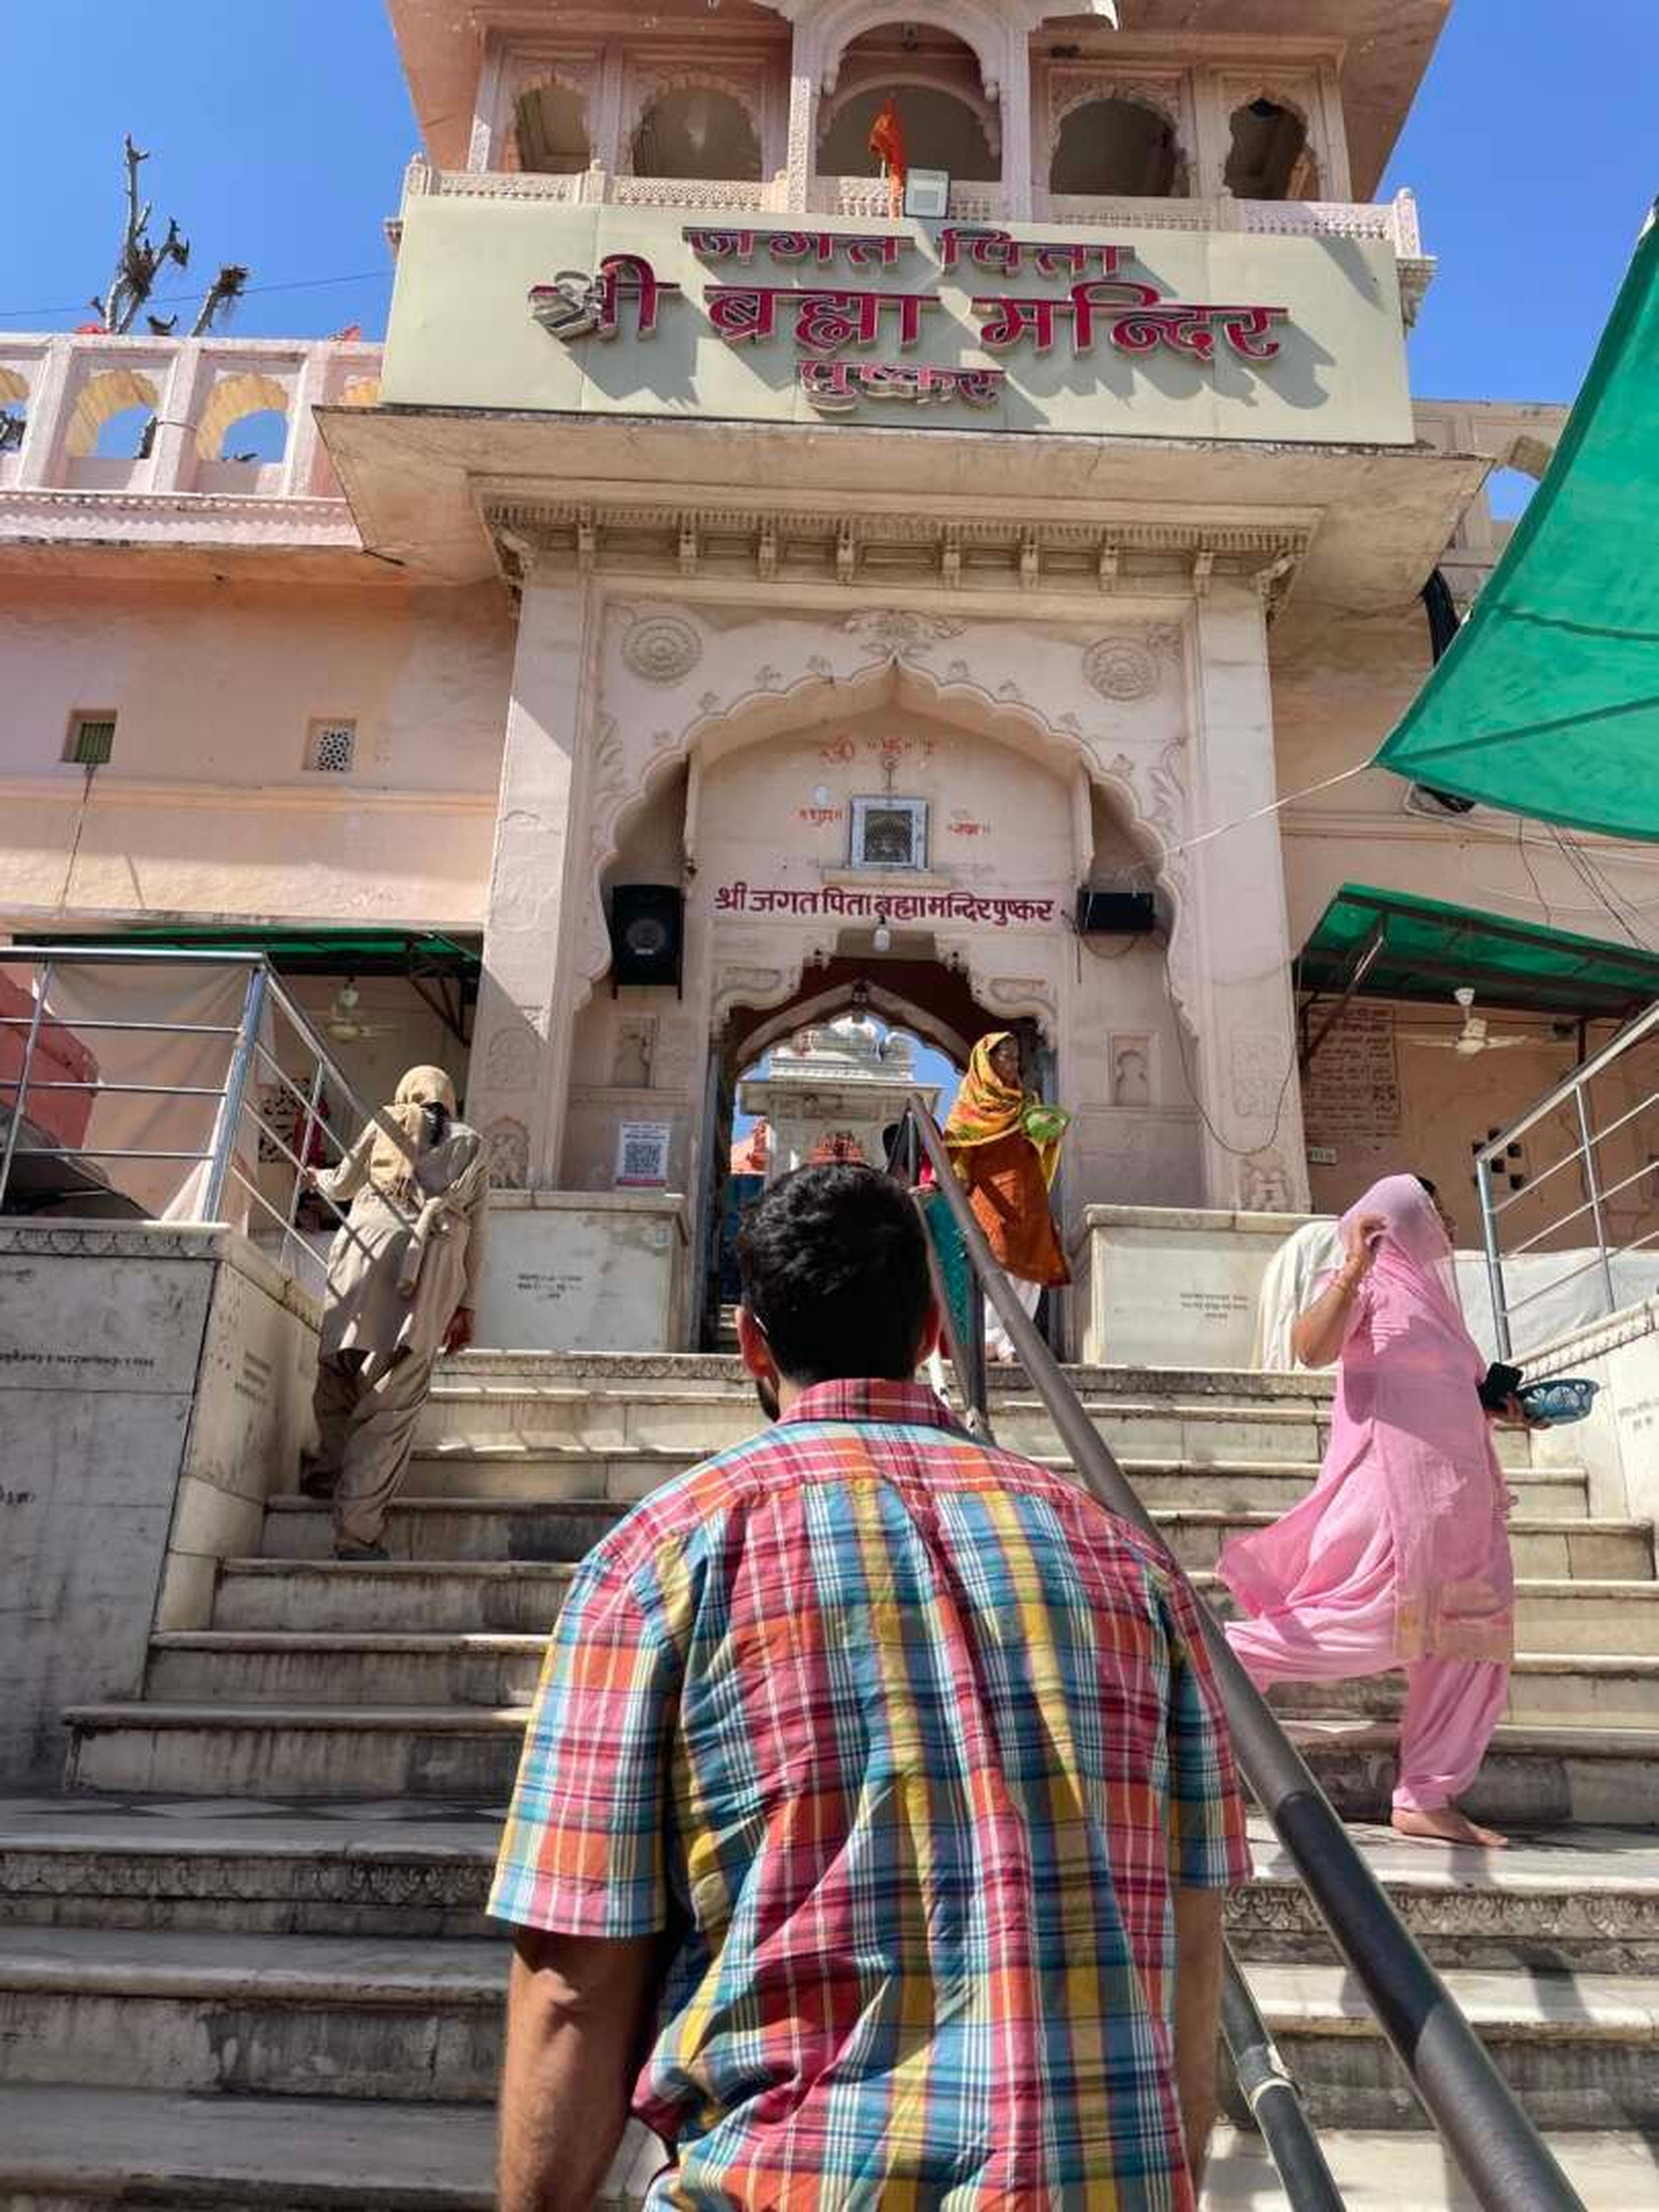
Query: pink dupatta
[(1409, 1430)]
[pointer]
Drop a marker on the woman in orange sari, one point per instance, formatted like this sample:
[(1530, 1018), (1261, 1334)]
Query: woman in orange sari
[(1005, 1146)]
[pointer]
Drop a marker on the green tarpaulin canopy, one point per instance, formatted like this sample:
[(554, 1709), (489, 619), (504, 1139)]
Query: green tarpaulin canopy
[(1402, 947), (1546, 703), (321, 952)]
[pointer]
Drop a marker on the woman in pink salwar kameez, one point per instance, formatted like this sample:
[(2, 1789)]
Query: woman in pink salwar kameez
[(1400, 1556)]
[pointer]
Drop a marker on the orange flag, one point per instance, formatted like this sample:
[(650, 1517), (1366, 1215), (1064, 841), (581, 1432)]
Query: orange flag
[(887, 139)]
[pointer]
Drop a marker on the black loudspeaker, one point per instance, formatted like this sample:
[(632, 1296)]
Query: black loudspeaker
[(648, 930), (1123, 913)]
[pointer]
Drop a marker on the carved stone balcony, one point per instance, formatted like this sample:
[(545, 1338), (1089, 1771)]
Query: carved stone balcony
[(176, 476), (1391, 223)]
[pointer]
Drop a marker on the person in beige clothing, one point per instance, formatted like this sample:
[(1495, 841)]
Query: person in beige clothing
[(403, 1278)]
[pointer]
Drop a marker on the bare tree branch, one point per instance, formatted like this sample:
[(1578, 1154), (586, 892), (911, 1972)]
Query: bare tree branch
[(141, 262), (227, 288)]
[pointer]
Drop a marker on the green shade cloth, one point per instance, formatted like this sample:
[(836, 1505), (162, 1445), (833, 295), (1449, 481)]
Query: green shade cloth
[(305, 952), (1429, 949), (1546, 703)]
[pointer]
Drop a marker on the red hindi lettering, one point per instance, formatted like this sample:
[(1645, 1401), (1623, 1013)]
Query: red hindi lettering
[(741, 312)]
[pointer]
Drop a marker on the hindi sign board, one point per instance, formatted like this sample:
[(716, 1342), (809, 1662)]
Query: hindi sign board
[(639, 310)]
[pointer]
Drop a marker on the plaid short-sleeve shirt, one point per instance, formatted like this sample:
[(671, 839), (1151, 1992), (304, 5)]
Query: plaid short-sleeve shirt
[(907, 1741)]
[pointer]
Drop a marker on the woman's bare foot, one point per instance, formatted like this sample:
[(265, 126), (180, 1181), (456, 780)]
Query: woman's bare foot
[(1446, 1824)]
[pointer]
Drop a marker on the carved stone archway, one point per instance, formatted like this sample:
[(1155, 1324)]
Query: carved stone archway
[(892, 653)]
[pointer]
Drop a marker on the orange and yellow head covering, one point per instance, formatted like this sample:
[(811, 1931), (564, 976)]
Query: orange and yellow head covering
[(988, 1109)]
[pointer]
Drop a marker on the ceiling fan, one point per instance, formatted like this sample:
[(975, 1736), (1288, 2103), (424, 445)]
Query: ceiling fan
[(344, 1024), (1475, 1036)]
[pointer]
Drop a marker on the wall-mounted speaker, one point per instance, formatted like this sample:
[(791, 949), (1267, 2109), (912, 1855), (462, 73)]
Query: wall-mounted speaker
[(1122, 914), (647, 932)]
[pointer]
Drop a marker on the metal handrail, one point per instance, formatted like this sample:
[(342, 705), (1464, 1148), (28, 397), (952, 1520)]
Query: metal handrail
[(1268, 2091), (264, 993), (1503, 2158), (1573, 1089)]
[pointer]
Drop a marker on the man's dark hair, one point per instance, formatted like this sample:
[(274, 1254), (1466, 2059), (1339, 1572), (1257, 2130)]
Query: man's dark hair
[(834, 1261), (1429, 1186)]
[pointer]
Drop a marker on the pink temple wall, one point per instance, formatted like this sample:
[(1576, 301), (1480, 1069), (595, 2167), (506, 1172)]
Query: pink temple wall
[(206, 808)]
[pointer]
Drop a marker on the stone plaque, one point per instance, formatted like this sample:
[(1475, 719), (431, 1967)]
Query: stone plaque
[(1353, 1089)]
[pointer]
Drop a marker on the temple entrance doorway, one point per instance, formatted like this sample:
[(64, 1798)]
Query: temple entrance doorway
[(823, 1076)]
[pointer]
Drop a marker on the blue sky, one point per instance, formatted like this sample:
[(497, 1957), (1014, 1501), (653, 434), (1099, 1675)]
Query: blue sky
[(278, 139)]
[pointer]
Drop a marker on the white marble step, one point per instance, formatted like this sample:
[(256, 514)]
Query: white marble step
[(341, 2016), (404, 1597), (502, 1668), (1535, 1775), (1610, 1619), (81, 2148), (1405, 2172), (536, 1470), (1557, 1899), (455, 1596), (1581, 2050), (288, 2016), (438, 1528)]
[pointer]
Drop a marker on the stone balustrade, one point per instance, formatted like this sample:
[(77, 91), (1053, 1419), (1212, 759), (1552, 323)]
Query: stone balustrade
[(1392, 222), (174, 451)]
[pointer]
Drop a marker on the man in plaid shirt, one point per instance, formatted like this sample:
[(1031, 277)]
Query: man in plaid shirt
[(877, 1811)]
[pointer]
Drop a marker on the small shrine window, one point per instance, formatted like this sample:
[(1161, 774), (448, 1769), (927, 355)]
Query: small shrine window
[(890, 833), (91, 740), (330, 748)]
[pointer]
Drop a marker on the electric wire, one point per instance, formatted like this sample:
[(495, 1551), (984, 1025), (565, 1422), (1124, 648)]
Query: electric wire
[(182, 299)]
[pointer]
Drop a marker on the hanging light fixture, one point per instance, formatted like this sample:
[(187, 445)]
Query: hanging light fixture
[(883, 940)]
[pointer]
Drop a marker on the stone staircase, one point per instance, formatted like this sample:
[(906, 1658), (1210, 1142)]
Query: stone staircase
[(244, 1961)]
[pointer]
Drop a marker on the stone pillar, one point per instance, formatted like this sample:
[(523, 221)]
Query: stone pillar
[(304, 460), (182, 398), (1253, 1152), (1015, 93), (801, 157), (604, 130), (39, 458), (490, 125), (1211, 135), (518, 1083)]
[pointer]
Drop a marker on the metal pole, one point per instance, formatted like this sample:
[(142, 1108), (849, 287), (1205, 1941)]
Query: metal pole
[(1500, 1311), (1502, 2157), (230, 1103), (20, 1089), (1274, 2104), (313, 1103), (1593, 1187), (975, 1388)]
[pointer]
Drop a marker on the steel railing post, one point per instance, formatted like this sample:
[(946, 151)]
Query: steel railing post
[(1593, 1190), (1500, 1310), (229, 1115), (26, 1067), (314, 1102)]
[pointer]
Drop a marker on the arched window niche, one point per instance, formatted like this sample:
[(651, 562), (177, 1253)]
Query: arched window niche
[(696, 130), (941, 131), (549, 131), (1269, 157), (1118, 148)]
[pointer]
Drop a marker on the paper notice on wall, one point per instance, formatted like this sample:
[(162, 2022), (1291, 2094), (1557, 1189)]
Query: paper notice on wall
[(643, 1155), (1353, 1089)]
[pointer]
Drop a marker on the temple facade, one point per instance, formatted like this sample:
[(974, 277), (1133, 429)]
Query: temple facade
[(742, 578)]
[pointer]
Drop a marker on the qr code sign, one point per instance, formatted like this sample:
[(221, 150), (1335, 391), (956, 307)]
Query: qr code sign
[(638, 1159), (643, 1155)]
